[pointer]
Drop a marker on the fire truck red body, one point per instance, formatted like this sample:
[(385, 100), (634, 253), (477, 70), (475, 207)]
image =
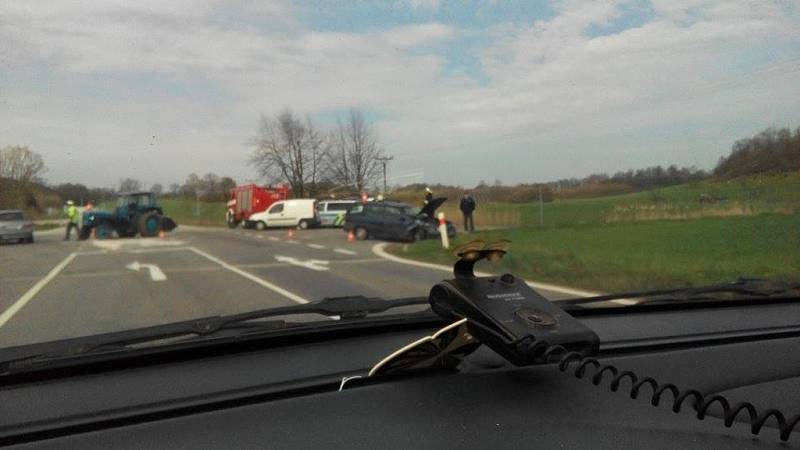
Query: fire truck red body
[(249, 199)]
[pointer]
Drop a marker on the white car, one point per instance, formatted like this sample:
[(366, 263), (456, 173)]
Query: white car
[(301, 213)]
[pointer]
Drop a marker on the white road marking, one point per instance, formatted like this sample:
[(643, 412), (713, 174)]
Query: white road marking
[(272, 238), (316, 246), (344, 252), (260, 237), (158, 250), (118, 244), (155, 272), (290, 295), (292, 242), (313, 264), (22, 301), (378, 249)]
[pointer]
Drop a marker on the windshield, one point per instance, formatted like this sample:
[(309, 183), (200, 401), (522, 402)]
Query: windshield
[(11, 216), (618, 146)]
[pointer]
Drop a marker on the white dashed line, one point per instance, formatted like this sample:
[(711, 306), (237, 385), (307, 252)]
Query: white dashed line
[(316, 246), (272, 238), (344, 252), (292, 242), (260, 237)]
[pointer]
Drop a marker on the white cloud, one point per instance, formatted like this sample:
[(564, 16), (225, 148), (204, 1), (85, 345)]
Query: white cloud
[(97, 79)]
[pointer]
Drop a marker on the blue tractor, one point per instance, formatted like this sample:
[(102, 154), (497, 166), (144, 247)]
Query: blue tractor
[(136, 213)]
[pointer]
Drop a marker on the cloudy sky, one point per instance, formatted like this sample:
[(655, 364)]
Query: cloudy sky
[(459, 91)]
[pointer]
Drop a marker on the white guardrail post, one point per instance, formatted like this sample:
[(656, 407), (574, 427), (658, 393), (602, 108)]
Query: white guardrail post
[(443, 231)]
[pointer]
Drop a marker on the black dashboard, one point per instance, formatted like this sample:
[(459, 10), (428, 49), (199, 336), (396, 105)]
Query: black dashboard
[(287, 396)]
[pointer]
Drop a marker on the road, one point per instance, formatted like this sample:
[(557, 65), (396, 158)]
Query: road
[(57, 289)]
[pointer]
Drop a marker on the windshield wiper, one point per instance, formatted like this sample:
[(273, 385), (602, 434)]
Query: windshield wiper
[(342, 308), (741, 289)]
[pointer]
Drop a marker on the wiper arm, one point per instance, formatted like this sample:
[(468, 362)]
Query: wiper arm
[(345, 308), (743, 288)]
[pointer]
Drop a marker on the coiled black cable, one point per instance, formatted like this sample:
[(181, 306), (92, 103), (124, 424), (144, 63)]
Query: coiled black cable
[(542, 352)]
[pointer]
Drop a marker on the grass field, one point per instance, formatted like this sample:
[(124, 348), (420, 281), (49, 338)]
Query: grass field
[(187, 212), (741, 197), (643, 255)]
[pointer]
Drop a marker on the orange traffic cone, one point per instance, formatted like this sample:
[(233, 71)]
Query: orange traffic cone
[(351, 236), (161, 234), (291, 233)]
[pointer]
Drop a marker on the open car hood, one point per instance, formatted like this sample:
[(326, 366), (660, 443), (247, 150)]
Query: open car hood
[(432, 206)]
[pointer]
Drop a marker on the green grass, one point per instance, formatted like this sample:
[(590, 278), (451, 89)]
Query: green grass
[(741, 197), (644, 255), (187, 212), (47, 226)]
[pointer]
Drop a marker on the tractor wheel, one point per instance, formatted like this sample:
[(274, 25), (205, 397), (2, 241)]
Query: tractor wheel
[(149, 224)]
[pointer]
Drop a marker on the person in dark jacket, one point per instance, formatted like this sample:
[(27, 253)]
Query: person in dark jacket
[(428, 198), (467, 207), (428, 195)]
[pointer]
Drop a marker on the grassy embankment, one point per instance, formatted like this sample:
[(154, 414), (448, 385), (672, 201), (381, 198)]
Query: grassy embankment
[(187, 212), (651, 239)]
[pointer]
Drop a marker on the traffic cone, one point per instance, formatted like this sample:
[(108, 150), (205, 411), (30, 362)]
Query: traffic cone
[(291, 233), (161, 234), (351, 236)]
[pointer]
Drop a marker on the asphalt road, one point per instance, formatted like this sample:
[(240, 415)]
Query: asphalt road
[(57, 289)]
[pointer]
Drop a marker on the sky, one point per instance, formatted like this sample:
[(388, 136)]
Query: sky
[(458, 91)]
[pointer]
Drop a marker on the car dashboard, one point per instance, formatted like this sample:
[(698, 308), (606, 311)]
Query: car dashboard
[(288, 395)]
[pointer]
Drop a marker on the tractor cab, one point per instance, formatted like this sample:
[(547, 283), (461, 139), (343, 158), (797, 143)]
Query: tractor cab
[(133, 203)]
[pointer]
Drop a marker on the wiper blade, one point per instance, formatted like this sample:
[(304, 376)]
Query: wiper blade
[(748, 288), (343, 308)]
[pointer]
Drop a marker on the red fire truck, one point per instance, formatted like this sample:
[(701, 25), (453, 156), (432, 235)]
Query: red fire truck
[(249, 199)]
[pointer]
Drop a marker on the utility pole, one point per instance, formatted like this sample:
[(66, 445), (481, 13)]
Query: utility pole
[(384, 160)]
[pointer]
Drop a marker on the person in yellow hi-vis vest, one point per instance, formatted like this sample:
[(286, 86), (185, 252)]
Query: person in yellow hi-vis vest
[(72, 219)]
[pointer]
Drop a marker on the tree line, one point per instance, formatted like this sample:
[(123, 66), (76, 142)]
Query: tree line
[(292, 150), (771, 151)]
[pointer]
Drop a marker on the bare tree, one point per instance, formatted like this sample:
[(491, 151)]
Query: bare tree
[(157, 188), (290, 150), (355, 152), (20, 164), (130, 185)]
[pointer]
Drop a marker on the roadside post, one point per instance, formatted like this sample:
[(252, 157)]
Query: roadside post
[(443, 231)]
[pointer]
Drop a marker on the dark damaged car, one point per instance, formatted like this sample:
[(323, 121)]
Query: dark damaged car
[(395, 221)]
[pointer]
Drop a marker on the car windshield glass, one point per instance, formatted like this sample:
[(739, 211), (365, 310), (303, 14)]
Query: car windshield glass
[(181, 161), (11, 216)]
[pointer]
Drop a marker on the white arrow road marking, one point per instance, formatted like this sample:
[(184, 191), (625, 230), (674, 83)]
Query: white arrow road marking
[(313, 264), (344, 252), (155, 273)]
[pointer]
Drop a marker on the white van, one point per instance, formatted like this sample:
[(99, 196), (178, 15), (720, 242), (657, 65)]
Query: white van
[(301, 213)]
